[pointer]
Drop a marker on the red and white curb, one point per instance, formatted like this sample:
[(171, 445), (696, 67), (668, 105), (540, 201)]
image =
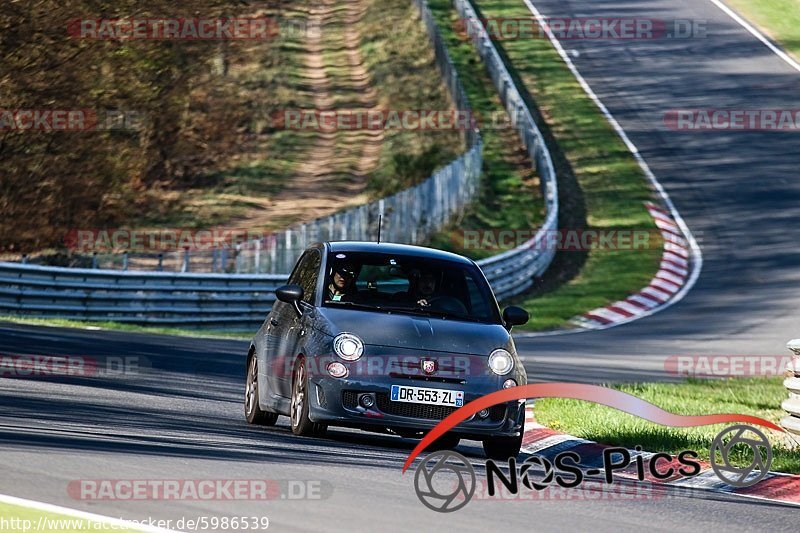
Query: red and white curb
[(546, 442), (671, 277)]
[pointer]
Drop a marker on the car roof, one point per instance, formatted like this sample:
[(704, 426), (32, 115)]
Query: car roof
[(393, 248)]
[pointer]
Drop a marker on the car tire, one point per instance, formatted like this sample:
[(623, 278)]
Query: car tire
[(502, 448), (252, 410), (447, 441), (298, 414)]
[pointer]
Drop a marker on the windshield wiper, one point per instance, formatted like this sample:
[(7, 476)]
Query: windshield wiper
[(427, 311), (354, 304)]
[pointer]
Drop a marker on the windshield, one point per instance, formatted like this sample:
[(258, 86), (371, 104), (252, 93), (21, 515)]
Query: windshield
[(409, 285)]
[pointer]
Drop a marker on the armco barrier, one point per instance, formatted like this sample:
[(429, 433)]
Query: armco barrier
[(241, 301), (148, 298), (512, 272), (792, 406)]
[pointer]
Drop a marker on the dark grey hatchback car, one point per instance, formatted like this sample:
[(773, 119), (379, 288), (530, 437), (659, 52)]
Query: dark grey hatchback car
[(390, 338)]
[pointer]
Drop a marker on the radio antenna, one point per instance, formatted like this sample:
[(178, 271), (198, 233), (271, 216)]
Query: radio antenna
[(380, 223)]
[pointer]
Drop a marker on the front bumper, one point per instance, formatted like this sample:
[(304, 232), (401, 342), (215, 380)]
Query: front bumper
[(335, 401)]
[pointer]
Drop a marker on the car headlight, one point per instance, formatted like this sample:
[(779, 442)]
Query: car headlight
[(501, 362), (348, 346)]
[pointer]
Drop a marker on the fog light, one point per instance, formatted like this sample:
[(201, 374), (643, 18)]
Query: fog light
[(507, 384), (337, 370), (367, 400), (483, 413)]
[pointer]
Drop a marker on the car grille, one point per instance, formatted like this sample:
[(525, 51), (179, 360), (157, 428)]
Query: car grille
[(414, 410), (350, 399), (497, 412)]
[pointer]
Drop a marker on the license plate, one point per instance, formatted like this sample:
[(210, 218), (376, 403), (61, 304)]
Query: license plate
[(454, 398)]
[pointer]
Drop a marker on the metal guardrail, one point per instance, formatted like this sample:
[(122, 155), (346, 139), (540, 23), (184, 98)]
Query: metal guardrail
[(512, 272), (151, 298), (237, 301), (791, 423)]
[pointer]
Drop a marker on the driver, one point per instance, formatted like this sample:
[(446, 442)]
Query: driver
[(341, 287)]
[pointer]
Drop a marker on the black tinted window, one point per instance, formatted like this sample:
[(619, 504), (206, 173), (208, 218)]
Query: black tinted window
[(409, 284)]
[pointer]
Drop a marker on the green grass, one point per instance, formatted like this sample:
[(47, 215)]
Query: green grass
[(118, 326), (753, 396), (600, 184), (397, 53), (509, 196), (20, 518), (276, 80), (780, 19)]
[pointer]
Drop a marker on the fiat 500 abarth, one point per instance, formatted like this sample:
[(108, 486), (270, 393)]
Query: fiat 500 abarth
[(390, 338)]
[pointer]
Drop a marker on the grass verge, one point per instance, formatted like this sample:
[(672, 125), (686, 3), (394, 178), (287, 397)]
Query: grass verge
[(753, 396), (509, 197), (600, 184), (780, 19), (118, 326)]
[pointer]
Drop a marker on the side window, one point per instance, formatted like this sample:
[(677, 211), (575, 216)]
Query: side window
[(309, 275), (294, 278), (306, 274)]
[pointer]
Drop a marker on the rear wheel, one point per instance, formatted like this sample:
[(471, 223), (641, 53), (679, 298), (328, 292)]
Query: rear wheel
[(502, 448), (301, 423), (252, 410)]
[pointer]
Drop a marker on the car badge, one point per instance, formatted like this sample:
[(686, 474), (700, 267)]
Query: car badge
[(429, 367)]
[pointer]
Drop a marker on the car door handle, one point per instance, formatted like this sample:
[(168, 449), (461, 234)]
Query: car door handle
[(273, 321)]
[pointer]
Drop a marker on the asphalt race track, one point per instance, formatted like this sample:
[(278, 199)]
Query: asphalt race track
[(182, 419), (737, 191), (181, 415)]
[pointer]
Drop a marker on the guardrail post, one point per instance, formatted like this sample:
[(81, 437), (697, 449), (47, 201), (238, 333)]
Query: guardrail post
[(791, 423), (238, 258), (94, 259), (257, 260), (24, 259), (185, 265), (160, 267), (223, 260), (125, 261)]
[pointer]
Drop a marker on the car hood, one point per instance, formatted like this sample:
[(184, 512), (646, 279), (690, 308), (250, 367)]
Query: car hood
[(415, 332)]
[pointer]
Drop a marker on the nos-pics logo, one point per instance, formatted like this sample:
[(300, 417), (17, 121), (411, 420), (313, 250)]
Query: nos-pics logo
[(445, 481)]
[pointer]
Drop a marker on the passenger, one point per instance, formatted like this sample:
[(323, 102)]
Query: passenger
[(425, 288)]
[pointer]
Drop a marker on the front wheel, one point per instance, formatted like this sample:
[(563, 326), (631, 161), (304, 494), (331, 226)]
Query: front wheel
[(301, 423), (252, 410), (502, 448)]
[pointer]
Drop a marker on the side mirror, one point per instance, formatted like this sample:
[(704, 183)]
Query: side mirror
[(291, 294), (515, 316)]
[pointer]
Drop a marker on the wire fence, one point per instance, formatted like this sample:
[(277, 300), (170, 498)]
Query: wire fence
[(408, 217), (200, 300)]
